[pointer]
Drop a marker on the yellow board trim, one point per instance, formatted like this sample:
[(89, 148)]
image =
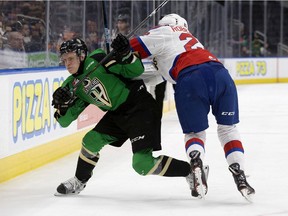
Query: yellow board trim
[(168, 106), (283, 80), (30, 159), (260, 81), (255, 81)]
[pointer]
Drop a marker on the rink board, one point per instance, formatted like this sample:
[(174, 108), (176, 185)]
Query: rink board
[(257, 70), (30, 137)]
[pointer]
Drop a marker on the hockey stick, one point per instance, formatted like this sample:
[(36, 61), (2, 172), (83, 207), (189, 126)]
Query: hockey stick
[(147, 18), (106, 30), (108, 56)]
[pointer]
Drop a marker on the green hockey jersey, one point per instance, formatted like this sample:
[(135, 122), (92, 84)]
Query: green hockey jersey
[(106, 87)]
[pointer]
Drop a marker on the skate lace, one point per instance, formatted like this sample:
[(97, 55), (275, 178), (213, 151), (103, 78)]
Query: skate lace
[(242, 183), (195, 159), (240, 179), (73, 184)]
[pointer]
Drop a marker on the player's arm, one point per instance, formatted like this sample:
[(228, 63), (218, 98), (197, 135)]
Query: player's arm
[(152, 43), (127, 63), (140, 48), (66, 112)]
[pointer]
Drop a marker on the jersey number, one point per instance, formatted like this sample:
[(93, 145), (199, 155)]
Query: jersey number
[(192, 43)]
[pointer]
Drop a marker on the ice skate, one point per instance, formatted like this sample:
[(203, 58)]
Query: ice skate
[(197, 179), (240, 179), (70, 187)]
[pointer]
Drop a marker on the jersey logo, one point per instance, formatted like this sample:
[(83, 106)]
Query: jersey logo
[(75, 81), (95, 89), (228, 113), (137, 138)]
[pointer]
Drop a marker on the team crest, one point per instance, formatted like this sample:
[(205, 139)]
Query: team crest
[(87, 83), (95, 89)]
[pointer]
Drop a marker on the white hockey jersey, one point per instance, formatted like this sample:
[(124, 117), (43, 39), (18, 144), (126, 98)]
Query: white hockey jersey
[(173, 49)]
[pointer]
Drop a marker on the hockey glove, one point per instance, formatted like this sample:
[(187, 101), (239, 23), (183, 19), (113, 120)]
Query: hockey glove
[(62, 99), (122, 49)]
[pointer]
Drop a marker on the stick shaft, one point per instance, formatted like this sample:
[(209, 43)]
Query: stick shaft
[(147, 18), (106, 30), (109, 55)]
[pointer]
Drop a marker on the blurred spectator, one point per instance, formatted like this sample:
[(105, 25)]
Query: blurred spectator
[(25, 31), (36, 43), (16, 26), (264, 50), (1, 35), (15, 42), (1, 28), (91, 35), (244, 44), (122, 25), (13, 54), (260, 45), (240, 43), (256, 46), (66, 35)]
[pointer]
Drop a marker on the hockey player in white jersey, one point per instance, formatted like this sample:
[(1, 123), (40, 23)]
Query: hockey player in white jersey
[(202, 82)]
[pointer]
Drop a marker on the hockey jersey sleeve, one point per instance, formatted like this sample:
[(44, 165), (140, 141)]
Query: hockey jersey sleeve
[(72, 113), (149, 44), (134, 69)]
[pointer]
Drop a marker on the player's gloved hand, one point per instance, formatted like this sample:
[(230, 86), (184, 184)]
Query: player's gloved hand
[(62, 99), (122, 49)]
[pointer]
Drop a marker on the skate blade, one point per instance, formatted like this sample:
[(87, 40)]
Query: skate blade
[(199, 186), (65, 195), (247, 196)]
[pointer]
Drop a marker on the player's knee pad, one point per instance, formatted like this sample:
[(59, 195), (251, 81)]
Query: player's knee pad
[(143, 161), (94, 141), (227, 133)]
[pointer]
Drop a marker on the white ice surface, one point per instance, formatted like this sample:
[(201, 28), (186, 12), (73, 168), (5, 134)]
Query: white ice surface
[(116, 190)]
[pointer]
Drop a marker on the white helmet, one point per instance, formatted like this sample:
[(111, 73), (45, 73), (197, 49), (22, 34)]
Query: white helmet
[(173, 20)]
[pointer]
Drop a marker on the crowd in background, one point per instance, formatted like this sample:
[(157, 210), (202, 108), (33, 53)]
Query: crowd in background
[(259, 48), (24, 27), (23, 30)]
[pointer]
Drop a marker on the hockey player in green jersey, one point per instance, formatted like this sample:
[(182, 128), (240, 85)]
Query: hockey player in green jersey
[(131, 112)]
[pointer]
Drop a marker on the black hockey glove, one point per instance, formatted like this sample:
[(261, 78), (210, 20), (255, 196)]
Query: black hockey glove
[(122, 49), (62, 99)]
